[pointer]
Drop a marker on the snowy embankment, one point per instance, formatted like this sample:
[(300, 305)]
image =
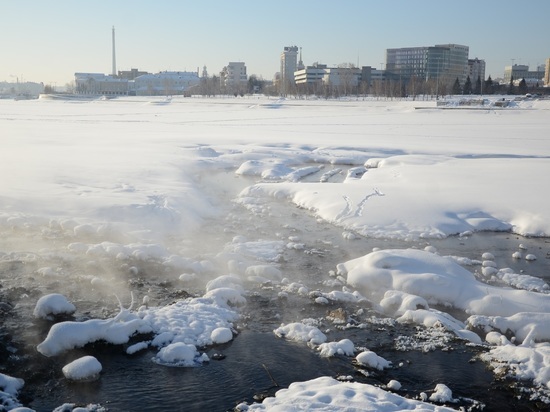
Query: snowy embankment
[(135, 186), (423, 196)]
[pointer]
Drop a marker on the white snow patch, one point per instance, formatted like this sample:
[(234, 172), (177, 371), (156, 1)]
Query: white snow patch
[(86, 368), (53, 304)]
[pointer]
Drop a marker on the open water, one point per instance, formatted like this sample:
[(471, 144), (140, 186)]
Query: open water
[(256, 363)]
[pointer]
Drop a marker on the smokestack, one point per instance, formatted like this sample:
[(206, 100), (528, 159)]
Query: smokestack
[(114, 53)]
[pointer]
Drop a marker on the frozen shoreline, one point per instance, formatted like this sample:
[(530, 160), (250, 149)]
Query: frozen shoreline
[(117, 196)]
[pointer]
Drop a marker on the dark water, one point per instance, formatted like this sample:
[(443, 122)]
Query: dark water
[(135, 383), (258, 364), (256, 360)]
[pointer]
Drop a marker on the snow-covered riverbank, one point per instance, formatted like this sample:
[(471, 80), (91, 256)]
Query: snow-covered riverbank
[(197, 206)]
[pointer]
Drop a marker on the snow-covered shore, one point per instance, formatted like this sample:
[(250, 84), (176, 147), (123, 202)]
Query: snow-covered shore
[(94, 190)]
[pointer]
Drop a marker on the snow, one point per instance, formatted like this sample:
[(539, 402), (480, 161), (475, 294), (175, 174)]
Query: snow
[(68, 335), (372, 360), (180, 354), (126, 193), (300, 332), (9, 387), (342, 347), (53, 304), (86, 368), (438, 280), (221, 335), (328, 394), (441, 394), (394, 385)]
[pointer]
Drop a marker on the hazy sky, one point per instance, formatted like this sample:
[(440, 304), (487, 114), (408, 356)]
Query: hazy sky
[(48, 41)]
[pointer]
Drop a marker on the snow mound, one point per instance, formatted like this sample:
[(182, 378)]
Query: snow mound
[(438, 280), (300, 332), (343, 347), (329, 395), (191, 321), (180, 354), (442, 394), (86, 368), (53, 304), (372, 360), (221, 335), (9, 387), (68, 335)]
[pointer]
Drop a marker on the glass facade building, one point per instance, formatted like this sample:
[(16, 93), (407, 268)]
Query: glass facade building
[(445, 62)]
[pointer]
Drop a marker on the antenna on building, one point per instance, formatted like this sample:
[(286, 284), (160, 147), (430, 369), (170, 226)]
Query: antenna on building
[(300, 62), (114, 53)]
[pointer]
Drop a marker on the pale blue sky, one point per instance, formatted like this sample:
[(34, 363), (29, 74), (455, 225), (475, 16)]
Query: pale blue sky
[(48, 41)]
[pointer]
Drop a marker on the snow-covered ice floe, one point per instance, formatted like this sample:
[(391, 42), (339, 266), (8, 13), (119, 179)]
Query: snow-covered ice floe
[(330, 395), (178, 328)]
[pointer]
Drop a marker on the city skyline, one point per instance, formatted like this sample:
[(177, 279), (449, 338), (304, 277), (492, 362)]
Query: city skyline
[(41, 43)]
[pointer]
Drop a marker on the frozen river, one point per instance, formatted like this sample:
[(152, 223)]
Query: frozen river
[(264, 218)]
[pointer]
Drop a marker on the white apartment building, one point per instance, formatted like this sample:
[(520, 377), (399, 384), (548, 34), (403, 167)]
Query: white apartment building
[(311, 74), (234, 75), (320, 74)]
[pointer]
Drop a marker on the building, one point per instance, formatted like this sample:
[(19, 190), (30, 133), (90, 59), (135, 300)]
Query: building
[(371, 75), (20, 90), (234, 77), (289, 64), (159, 84), (517, 72), (311, 74), (343, 79), (130, 74), (164, 83), (476, 69), (444, 63), (100, 84)]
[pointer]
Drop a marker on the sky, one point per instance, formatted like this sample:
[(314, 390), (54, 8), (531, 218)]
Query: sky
[(50, 41)]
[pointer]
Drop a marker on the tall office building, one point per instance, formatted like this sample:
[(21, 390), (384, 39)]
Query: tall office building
[(444, 62), (476, 69), (289, 64)]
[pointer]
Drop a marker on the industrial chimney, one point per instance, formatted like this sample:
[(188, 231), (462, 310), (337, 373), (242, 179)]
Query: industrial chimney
[(114, 54)]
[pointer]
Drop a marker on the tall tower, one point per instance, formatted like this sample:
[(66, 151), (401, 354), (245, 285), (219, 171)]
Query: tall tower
[(300, 65), (114, 54), (289, 59)]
